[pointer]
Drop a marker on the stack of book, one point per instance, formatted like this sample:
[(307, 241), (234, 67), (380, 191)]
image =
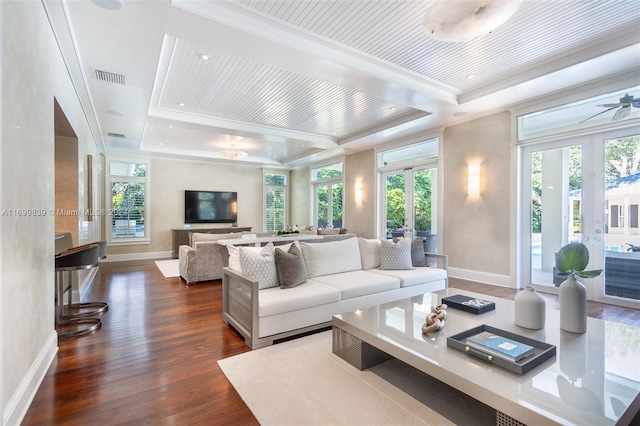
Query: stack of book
[(495, 345)]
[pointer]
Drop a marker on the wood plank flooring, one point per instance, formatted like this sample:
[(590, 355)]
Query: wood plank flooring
[(154, 360)]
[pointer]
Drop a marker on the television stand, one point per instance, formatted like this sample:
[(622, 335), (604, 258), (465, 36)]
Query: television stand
[(180, 236)]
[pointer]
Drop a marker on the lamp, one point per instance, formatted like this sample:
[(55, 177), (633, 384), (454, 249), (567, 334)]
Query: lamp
[(358, 192), (464, 20), (232, 153), (473, 179)]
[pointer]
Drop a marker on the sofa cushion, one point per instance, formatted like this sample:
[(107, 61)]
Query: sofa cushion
[(275, 300), (234, 254), (259, 265), (328, 231), (331, 257), (417, 253), (369, 252), (411, 277), (359, 283), (290, 267), (395, 255), (197, 237)]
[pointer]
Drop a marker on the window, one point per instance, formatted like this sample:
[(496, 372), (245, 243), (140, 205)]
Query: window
[(128, 201), (275, 211), (327, 200), (576, 116)]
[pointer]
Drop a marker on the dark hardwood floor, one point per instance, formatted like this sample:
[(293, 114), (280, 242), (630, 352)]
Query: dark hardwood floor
[(154, 360)]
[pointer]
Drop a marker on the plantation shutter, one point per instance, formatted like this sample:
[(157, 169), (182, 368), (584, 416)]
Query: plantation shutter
[(614, 215), (275, 211), (128, 208), (633, 216)]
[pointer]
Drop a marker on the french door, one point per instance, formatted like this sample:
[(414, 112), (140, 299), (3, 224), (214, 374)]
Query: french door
[(410, 206), (584, 189)]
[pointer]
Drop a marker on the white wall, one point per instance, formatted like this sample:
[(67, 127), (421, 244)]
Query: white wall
[(360, 217), (168, 180), (33, 74), (477, 230)]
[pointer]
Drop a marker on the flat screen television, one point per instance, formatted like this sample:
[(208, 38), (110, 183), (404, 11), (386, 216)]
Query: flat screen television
[(210, 207)]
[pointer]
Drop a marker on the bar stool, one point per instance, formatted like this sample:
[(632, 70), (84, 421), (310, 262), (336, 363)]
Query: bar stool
[(77, 258)]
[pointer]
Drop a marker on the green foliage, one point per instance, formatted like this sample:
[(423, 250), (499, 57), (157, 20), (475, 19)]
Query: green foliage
[(572, 259), (396, 201)]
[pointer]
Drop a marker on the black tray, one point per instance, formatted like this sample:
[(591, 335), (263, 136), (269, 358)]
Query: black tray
[(542, 351), (456, 301)]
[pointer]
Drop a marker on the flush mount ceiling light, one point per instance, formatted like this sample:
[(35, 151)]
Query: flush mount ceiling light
[(232, 153), (110, 4), (464, 20)]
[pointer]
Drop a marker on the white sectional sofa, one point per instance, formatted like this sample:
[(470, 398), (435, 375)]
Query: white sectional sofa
[(342, 276), (204, 258)]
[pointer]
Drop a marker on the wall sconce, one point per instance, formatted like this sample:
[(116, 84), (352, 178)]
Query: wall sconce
[(473, 179), (358, 192)]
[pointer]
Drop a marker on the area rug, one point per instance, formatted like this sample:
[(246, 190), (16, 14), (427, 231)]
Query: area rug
[(168, 268), (301, 382)]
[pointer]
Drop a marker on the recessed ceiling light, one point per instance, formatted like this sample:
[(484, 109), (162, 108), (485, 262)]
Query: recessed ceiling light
[(171, 126), (471, 77), (204, 56), (392, 108), (181, 104), (161, 143), (334, 133)]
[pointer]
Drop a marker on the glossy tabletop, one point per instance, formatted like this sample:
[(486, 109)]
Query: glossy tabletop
[(594, 378)]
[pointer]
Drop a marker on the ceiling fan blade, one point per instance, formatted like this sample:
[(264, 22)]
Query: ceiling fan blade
[(595, 115), (635, 103), (621, 113), (610, 105)]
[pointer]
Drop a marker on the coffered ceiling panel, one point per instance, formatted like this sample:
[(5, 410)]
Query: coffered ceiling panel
[(392, 31), (163, 138), (235, 88)]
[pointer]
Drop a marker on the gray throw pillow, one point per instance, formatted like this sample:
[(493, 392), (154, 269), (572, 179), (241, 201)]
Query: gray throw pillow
[(395, 256), (290, 266), (417, 253)]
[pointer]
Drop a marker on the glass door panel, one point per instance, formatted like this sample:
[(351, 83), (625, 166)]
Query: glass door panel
[(336, 205), (395, 204), (322, 203), (621, 230), (424, 207), (556, 191)]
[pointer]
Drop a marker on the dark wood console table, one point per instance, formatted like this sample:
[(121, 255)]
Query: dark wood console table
[(181, 236)]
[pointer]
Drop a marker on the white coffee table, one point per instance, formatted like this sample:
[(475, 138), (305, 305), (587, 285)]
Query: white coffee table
[(594, 379)]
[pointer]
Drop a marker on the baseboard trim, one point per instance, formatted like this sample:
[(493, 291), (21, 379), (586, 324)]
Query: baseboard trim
[(482, 277), (21, 400), (138, 256)]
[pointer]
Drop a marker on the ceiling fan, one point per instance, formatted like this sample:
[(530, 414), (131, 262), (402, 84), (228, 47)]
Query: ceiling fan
[(624, 108)]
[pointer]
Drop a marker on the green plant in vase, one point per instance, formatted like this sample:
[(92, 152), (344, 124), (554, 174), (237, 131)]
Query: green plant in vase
[(572, 260)]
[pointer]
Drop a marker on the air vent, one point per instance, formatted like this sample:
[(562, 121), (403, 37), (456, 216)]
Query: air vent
[(110, 77), (115, 135)]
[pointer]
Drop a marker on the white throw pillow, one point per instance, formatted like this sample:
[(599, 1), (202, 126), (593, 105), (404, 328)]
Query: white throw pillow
[(369, 252), (260, 265), (395, 256), (331, 257), (234, 254)]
